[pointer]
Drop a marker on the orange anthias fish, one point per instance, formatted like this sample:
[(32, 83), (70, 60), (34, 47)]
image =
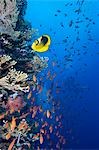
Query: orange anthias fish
[(34, 78), (42, 131), (11, 144), (48, 74), (45, 124), (29, 95), (34, 114), (39, 88), (51, 129), (57, 118), (41, 139), (6, 125), (13, 124), (48, 114), (23, 125), (8, 136), (2, 116), (24, 115), (36, 136)]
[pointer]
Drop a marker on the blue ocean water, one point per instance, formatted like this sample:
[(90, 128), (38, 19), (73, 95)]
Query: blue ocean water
[(74, 30)]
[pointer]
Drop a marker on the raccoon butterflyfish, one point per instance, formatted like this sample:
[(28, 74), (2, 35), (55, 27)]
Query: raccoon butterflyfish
[(41, 44)]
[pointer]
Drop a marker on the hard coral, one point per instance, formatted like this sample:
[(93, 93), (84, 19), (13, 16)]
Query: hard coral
[(22, 132), (10, 78), (6, 62), (14, 81), (8, 17)]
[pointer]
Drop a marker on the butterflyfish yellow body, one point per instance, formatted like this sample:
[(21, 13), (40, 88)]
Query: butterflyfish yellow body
[(41, 44)]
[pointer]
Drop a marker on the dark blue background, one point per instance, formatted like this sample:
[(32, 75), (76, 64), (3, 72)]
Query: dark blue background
[(79, 95)]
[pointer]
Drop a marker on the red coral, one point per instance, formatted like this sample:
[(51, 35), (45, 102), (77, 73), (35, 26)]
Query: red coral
[(15, 104)]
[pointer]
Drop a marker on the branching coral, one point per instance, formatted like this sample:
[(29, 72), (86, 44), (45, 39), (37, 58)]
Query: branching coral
[(4, 59), (14, 30), (6, 62), (12, 81), (8, 17), (22, 132)]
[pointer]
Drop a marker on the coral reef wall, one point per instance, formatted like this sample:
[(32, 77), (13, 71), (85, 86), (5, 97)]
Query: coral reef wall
[(19, 66), (15, 52)]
